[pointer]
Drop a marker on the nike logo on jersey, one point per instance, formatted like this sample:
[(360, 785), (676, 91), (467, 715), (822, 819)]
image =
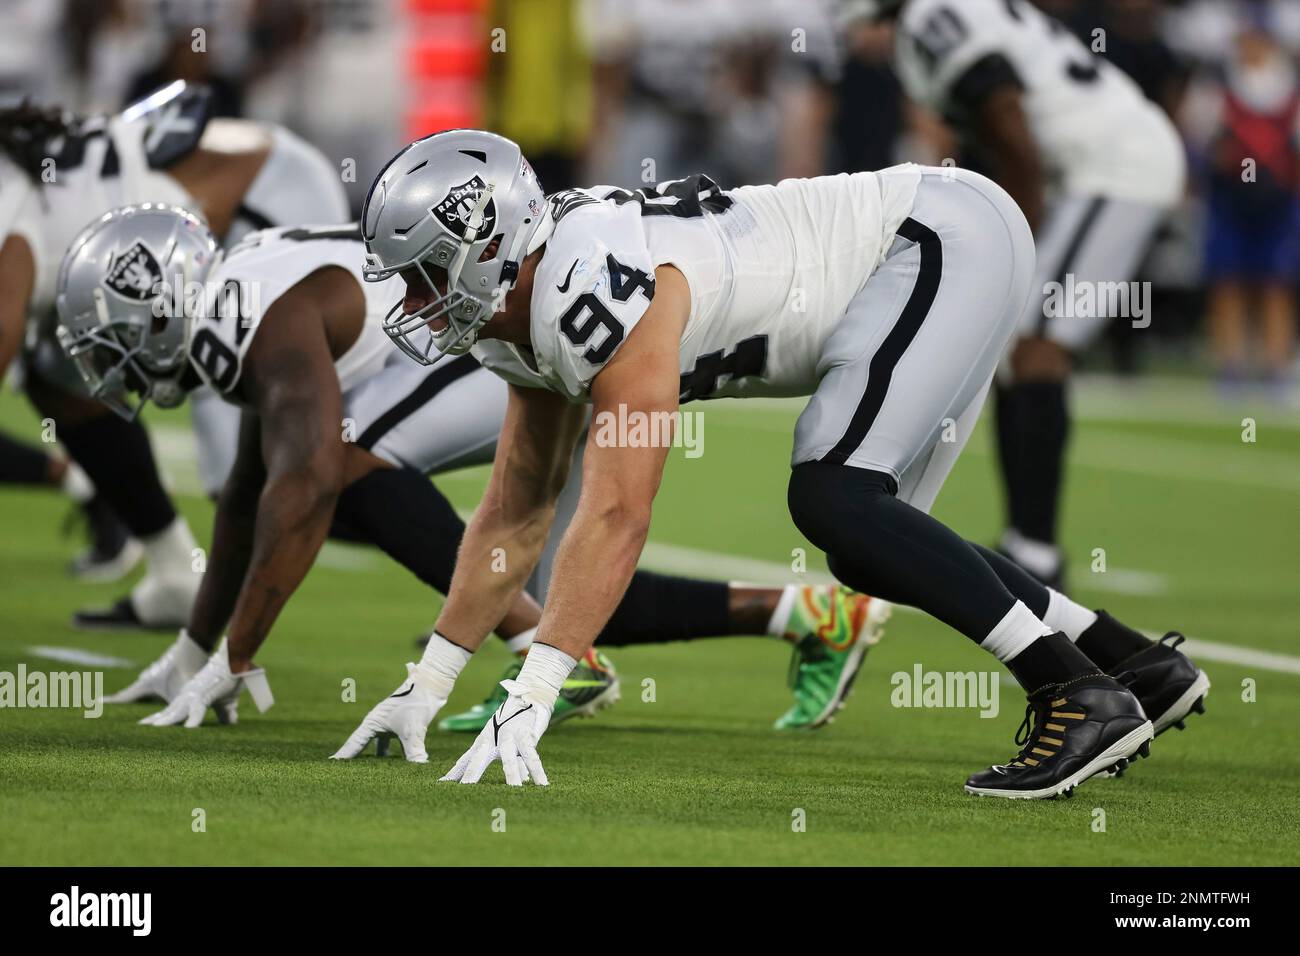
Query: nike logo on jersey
[(565, 288)]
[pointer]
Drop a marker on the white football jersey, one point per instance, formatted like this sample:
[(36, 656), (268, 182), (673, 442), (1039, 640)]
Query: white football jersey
[(262, 268), (1096, 132), (105, 163), (771, 270)]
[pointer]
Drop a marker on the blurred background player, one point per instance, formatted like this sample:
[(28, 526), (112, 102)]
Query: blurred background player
[(1037, 110)]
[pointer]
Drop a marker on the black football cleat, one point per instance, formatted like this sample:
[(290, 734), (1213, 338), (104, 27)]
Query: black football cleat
[(1070, 732), (1169, 686), (120, 616)]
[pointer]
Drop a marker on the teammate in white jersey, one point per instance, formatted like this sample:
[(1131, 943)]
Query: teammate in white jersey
[(1094, 166), (886, 297), (339, 429), (240, 176)]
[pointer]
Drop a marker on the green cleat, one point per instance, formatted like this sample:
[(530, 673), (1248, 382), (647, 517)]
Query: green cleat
[(592, 686), (833, 627)]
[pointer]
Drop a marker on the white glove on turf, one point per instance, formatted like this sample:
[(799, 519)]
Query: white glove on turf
[(511, 736), (216, 687), (404, 714), (165, 677)]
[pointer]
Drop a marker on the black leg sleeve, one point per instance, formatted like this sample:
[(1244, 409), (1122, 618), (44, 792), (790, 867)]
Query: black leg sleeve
[(118, 458), (885, 547), (1018, 581), (660, 607), (1043, 427), (400, 511)]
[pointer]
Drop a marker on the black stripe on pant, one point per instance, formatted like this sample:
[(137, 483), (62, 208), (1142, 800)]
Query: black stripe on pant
[(1080, 236), (443, 375), (881, 370)]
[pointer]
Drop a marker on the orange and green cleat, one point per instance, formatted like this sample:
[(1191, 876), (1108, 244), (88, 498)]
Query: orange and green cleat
[(832, 629)]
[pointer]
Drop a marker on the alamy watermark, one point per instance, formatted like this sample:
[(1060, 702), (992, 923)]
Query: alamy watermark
[(1085, 299), (632, 428), (83, 690), (922, 688)]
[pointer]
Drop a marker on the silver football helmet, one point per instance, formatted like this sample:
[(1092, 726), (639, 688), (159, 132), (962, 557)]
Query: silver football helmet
[(126, 294), (431, 215)]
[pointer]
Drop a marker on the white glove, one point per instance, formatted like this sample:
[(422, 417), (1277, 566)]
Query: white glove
[(404, 714), (167, 675), (511, 736), (216, 687)]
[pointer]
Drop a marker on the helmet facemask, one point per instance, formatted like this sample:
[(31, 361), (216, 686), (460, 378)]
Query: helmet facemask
[(453, 214), (132, 353), (464, 310)]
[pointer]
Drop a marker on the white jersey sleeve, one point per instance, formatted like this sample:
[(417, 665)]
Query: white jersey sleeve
[(252, 277), (592, 287)]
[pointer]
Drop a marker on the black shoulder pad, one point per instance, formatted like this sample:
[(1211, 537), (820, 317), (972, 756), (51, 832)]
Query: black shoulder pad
[(175, 118)]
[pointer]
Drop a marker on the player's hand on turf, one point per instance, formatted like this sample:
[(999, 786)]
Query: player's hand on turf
[(404, 714), (164, 678), (214, 686), (510, 736)]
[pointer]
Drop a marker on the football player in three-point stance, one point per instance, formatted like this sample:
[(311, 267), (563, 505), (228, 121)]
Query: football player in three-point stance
[(912, 281), (240, 176), (340, 430), (1094, 166)]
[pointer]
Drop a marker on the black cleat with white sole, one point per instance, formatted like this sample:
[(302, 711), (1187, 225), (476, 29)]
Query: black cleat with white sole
[(120, 616), (1169, 686), (1071, 732)]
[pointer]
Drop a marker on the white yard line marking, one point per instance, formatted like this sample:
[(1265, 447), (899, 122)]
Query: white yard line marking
[(74, 655)]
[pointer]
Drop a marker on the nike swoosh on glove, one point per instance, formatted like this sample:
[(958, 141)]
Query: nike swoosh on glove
[(511, 736), (404, 714), (165, 677), (214, 686)]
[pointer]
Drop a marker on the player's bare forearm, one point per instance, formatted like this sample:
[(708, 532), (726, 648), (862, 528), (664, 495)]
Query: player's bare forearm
[(293, 387), (505, 538), (232, 539), (620, 478), (497, 554), (17, 269), (293, 520), (593, 568)]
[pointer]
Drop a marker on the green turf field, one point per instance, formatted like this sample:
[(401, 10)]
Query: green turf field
[(1199, 531)]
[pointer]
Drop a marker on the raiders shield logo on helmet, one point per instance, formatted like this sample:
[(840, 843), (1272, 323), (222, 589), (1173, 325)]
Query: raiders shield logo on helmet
[(134, 274), (455, 208)]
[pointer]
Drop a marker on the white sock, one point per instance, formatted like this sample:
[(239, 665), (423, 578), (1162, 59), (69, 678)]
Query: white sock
[(1068, 616), (170, 552), (76, 484), (1017, 630), (784, 607), (440, 665), (1040, 557), (543, 675), (519, 643)]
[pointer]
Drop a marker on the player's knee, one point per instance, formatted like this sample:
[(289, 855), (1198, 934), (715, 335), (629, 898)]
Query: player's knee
[(827, 501), (1035, 359)]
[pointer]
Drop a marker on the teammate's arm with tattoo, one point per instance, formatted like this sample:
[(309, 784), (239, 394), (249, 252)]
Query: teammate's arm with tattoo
[(601, 547), (290, 378), (515, 515), (232, 538)]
